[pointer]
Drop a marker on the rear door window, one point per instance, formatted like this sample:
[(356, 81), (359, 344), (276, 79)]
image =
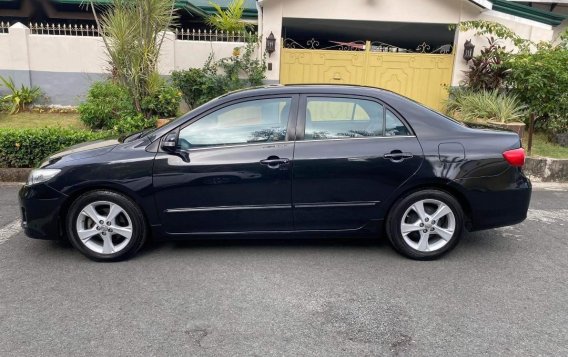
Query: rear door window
[(338, 118), (394, 126)]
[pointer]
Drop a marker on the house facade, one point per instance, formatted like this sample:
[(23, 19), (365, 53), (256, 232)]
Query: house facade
[(405, 46)]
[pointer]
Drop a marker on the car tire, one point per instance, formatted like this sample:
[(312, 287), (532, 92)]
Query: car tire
[(106, 226), (425, 225)]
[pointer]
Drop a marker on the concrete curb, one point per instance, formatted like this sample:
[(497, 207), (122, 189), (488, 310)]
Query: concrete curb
[(547, 169), (14, 175)]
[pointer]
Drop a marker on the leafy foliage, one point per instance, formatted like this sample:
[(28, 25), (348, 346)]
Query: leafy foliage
[(230, 19), (540, 80), (107, 103), (163, 101), (28, 147), (19, 97), (469, 105), (485, 27), (237, 65), (488, 70), (537, 76), (133, 124), (132, 34), (199, 85)]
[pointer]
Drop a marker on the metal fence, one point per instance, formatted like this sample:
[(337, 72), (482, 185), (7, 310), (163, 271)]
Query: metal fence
[(214, 35), (4, 26), (63, 30), (181, 34)]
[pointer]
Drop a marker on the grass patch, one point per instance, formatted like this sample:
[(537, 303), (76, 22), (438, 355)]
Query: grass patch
[(27, 120), (542, 147)]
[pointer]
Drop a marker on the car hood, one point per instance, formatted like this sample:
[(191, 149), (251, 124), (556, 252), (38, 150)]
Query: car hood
[(82, 151)]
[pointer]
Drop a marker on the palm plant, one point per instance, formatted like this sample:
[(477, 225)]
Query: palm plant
[(230, 19), (133, 32), (19, 97)]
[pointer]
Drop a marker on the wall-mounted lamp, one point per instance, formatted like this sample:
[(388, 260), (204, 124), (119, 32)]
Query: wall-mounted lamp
[(270, 44), (468, 48)]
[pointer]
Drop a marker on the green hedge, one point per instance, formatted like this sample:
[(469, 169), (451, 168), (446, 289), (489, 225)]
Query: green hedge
[(28, 147)]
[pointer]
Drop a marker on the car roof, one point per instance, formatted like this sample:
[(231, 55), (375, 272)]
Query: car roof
[(307, 89)]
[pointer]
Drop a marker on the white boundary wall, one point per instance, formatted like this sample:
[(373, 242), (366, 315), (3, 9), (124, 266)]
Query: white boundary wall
[(64, 66)]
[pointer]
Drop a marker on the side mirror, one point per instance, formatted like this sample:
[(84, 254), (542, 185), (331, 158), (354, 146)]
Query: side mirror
[(170, 142), (169, 145)]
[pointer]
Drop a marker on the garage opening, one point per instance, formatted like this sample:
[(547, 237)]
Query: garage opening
[(352, 35)]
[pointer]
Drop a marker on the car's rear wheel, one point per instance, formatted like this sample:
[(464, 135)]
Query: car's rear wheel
[(106, 226), (425, 224)]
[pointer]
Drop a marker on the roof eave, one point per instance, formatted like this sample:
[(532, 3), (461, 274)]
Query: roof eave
[(528, 12), (484, 4)]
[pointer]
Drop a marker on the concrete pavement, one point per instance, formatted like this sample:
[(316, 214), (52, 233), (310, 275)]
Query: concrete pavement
[(500, 292)]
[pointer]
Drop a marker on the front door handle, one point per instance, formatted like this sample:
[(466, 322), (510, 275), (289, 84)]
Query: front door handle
[(274, 162), (398, 156)]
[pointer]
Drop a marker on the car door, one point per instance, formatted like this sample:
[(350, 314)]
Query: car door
[(351, 153), (232, 172)]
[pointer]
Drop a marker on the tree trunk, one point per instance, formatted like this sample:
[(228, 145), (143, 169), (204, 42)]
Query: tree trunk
[(531, 132)]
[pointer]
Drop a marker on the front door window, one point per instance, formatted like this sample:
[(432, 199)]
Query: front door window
[(257, 121)]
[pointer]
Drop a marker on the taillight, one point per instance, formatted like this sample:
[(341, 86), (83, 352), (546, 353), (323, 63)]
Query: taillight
[(515, 157)]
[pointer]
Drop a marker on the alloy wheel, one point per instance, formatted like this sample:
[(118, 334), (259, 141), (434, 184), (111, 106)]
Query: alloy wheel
[(428, 225), (104, 227)]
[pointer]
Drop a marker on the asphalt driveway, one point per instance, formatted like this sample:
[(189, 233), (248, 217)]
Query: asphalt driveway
[(500, 292)]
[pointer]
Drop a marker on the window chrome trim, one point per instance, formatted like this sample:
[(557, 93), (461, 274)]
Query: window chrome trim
[(271, 143), (364, 138), (283, 142)]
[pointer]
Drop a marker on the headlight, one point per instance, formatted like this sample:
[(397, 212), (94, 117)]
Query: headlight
[(41, 175)]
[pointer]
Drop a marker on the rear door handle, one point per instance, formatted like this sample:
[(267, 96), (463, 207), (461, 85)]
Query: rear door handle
[(274, 162), (398, 156)]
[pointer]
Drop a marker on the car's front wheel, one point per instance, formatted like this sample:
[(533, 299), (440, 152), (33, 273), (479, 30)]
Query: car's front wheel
[(425, 224), (106, 226)]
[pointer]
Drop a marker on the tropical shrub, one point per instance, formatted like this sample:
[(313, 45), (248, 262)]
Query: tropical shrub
[(19, 98), (163, 101), (488, 70), (106, 104), (5, 107), (538, 74), (132, 32), (133, 124), (193, 84), (540, 80), (29, 147), (469, 105), (241, 70)]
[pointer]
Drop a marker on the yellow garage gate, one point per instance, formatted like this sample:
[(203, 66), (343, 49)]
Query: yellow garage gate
[(423, 77)]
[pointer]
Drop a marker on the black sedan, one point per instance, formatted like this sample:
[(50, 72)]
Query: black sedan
[(275, 160)]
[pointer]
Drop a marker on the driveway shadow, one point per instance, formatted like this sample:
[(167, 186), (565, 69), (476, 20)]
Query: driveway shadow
[(472, 245), (269, 242)]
